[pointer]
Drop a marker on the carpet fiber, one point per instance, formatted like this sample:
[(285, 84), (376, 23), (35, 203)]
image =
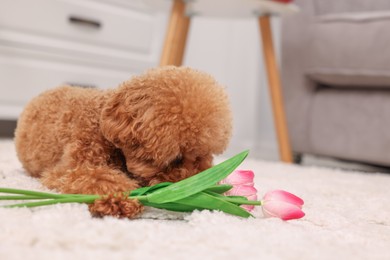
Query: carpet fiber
[(347, 215)]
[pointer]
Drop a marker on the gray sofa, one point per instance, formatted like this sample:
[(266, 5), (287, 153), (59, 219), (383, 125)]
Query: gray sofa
[(336, 79)]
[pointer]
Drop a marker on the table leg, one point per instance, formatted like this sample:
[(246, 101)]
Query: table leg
[(275, 89), (176, 35)]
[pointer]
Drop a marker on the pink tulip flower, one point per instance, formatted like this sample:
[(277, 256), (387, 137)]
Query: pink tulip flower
[(242, 182), (282, 204)]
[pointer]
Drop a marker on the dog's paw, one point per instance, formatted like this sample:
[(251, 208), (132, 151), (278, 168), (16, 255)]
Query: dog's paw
[(117, 206)]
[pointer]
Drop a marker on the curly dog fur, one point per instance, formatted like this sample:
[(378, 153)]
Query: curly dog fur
[(165, 125)]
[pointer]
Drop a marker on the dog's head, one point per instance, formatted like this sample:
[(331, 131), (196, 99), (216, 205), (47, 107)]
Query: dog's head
[(168, 123)]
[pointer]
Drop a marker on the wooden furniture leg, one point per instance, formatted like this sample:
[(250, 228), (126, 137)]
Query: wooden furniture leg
[(176, 35), (275, 89)]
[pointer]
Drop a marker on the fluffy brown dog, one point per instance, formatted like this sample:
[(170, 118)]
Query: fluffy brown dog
[(165, 125)]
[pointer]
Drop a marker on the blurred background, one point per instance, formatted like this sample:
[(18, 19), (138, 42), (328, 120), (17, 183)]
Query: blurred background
[(333, 55), (42, 45)]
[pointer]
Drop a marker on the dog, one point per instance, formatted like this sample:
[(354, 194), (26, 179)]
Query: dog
[(164, 125)]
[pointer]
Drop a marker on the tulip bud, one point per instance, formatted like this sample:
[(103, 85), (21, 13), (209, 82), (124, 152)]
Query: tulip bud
[(282, 204), (242, 182)]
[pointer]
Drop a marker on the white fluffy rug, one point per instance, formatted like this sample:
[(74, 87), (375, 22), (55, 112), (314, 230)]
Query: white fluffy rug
[(347, 216)]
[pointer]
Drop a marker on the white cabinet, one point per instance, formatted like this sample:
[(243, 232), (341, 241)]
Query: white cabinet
[(47, 43)]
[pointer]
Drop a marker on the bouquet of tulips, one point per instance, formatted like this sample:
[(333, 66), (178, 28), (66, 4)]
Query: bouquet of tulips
[(211, 189)]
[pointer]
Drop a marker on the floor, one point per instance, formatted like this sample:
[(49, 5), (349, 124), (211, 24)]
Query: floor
[(347, 216)]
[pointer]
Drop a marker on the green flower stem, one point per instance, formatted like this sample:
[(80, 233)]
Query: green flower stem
[(70, 199), (34, 193), (21, 197)]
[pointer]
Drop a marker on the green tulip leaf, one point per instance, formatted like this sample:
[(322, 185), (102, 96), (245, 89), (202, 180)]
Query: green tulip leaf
[(198, 182), (219, 188), (207, 201), (149, 189)]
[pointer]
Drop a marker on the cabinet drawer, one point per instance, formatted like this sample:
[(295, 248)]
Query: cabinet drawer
[(22, 79), (81, 21)]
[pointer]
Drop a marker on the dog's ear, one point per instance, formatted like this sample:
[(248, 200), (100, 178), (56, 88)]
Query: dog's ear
[(131, 119), (119, 115)]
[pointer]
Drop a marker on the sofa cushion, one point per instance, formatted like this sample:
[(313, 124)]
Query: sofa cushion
[(350, 51), (351, 6), (351, 124)]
